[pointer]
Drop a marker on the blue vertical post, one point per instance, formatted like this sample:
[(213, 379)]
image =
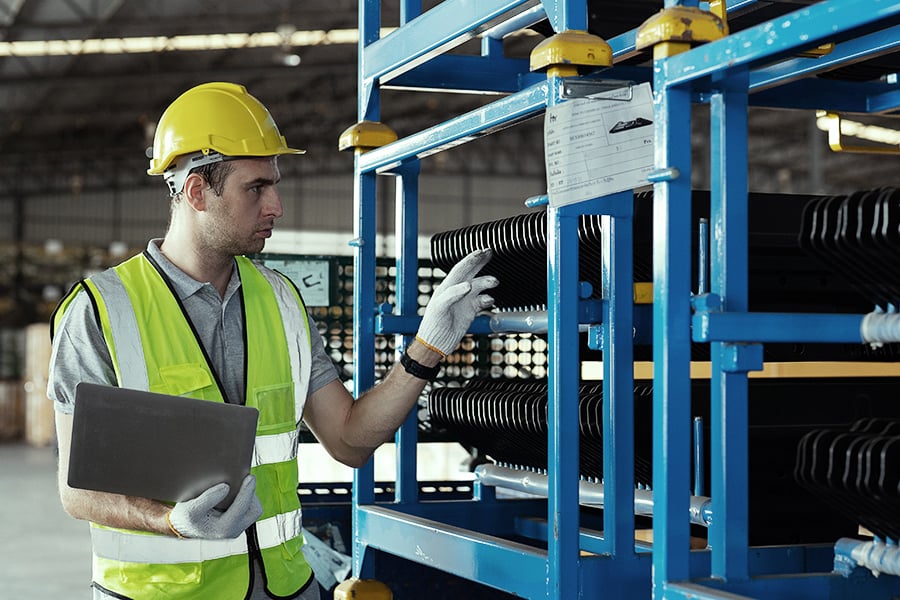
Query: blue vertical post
[(565, 15), (671, 330), (364, 194), (368, 98), (562, 403), (364, 203), (409, 10), (618, 376), (728, 534), (406, 230)]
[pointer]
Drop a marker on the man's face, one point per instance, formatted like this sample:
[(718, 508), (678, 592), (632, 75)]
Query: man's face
[(242, 218)]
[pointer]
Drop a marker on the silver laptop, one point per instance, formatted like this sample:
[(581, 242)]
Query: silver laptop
[(158, 446)]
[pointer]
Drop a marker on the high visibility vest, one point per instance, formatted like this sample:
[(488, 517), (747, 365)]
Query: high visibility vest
[(153, 347)]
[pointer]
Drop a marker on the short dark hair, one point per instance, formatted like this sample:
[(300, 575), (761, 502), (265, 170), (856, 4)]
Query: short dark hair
[(215, 175)]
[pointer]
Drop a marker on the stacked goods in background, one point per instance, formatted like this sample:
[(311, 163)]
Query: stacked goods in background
[(12, 407), (40, 429), (33, 278)]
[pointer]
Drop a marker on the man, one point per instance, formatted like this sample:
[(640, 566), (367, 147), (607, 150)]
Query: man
[(191, 316)]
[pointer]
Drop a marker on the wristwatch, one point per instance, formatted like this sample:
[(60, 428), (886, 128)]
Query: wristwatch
[(417, 369)]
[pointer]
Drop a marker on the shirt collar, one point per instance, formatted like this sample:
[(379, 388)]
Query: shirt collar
[(185, 285)]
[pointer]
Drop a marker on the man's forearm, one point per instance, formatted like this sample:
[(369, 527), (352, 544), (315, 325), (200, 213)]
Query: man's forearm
[(116, 510), (380, 411)]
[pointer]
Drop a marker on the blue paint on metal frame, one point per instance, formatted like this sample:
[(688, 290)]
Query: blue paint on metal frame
[(776, 327), (815, 94), (496, 517), (873, 44), (671, 331), (887, 101), (778, 38), (438, 30), (589, 540), (617, 284), (469, 74), (368, 106), (562, 402), (514, 567), (820, 585), (699, 460), (729, 532), (499, 114), (564, 16), (409, 10), (721, 73), (721, 70), (525, 19), (363, 336), (407, 293)]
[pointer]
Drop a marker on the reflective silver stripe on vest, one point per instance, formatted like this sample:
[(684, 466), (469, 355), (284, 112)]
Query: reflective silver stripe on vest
[(278, 529), (297, 333), (139, 548), (125, 333), (276, 448)]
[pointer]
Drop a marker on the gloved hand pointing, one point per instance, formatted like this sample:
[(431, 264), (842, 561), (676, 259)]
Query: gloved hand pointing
[(455, 302), (199, 518)]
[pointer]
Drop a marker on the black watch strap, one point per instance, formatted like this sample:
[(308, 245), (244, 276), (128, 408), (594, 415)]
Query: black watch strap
[(417, 369)]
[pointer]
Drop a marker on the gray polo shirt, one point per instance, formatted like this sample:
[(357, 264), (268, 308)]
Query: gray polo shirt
[(80, 353)]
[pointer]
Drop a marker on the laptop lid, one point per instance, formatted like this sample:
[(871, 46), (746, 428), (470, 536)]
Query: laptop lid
[(158, 446)]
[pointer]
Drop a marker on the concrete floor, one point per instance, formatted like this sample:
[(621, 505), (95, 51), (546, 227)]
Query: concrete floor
[(44, 553)]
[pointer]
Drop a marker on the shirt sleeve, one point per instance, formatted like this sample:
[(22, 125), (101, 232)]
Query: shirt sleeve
[(78, 353), (323, 370)]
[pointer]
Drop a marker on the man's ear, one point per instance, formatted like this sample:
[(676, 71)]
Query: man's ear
[(194, 184)]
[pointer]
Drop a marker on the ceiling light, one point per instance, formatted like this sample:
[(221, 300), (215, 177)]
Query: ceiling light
[(873, 133), (289, 59), (183, 43)]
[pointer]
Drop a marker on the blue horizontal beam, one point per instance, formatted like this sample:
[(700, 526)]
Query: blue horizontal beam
[(848, 52), (588, 539), (516, 568), (776, 327), (827, 94), (492, 117), (521, 569), (861, 584), (439, 29), (468, 74), (778, 38), (885, 102)]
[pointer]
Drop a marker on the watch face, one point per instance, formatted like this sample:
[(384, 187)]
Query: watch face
[(312, 276)]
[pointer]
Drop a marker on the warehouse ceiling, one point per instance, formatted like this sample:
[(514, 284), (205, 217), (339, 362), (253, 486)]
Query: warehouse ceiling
[(87, 117)]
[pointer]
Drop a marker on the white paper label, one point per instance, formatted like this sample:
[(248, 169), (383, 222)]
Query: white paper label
[(595, 147)]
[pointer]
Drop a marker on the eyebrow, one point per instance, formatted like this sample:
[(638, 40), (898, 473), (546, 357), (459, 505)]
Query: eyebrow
[(262, 181)]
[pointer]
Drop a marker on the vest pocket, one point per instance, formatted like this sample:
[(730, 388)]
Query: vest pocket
[(276, 408), (135, 574), (182, 380)]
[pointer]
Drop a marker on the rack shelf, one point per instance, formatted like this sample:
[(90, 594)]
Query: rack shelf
[(568, 555)]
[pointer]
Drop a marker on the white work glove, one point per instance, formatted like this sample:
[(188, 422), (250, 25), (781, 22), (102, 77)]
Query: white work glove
[(199, 518), (455, 302)]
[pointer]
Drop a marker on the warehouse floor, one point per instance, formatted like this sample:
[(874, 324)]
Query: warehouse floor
[(44, 554)]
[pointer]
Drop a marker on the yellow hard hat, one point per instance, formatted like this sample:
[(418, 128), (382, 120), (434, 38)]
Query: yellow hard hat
[(215, 117)]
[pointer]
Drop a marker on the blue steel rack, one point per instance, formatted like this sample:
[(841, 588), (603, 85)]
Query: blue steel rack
[(470, 538)]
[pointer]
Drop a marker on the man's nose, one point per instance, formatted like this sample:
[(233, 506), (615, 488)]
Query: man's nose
[(275, 207)]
